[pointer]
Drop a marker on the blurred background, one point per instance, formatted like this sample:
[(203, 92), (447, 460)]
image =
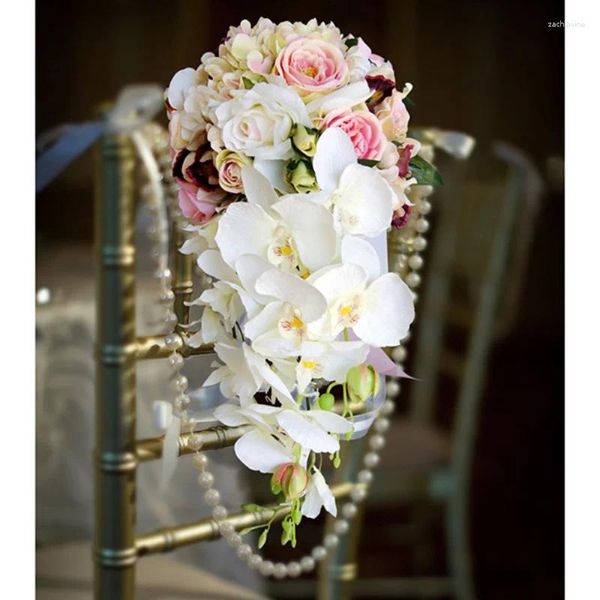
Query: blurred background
[(489, 68)]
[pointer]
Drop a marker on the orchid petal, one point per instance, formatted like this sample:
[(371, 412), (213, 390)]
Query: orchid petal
[(212, 263), (308, 434), (358, 251), (260, 452), (274, 171), (334, 153), (258, 188), (312, 228), (388, 313)]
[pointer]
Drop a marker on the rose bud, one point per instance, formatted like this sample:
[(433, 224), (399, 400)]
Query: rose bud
[(362, 382), (291, 479), (301, 177), (305, 140)]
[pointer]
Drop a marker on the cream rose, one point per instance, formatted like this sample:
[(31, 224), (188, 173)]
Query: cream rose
[(229, 165), (393, 116), (259, 122)]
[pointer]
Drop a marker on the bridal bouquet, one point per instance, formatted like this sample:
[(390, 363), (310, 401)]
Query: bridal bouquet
[(291, 154)]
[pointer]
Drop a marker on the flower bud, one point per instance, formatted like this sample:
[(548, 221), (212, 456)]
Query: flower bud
[(326, 401), (362, 382), (301, 177), (305, 140), (291, 479)]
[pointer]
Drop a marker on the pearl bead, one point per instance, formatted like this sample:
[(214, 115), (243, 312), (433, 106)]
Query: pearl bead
[(425, 207), (294, 569), (194, 442), (181, 402), (255, 561), (234, 540), (180, 383), (212, 497), (415, 262), (201, 461), (170, 317), (266, 568), (341, 526), (318, 553), (167, 297), (387, 408), (164, 275), (365, 476), (415, 296), (219, 512), (399, 354), (279, 571), (392, 388), (420, 243), (422, 225), (377, 442), (349, 509), (381, 425), (172, 341), (226, 529), (307, 563), (176, 361), (205, 480), (331, 540), (371, 460), (358, 494), (244, 551), (413, 280)]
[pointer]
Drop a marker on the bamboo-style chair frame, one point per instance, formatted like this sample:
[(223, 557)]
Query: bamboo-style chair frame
[(117, 545)]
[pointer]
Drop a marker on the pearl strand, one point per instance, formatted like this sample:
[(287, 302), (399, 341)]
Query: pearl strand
[(341, 525)]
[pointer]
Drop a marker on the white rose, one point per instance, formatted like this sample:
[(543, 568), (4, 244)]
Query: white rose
[(259, 122)]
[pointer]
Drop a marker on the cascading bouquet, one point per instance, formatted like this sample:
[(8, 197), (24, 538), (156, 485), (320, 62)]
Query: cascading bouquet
[(291, 153)]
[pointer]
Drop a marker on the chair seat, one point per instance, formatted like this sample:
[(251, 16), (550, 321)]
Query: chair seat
[(64, 572)]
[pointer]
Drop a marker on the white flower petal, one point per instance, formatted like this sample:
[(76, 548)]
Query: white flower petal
[(212, 263), (312, 228), (312, 504), (230, 415), (389, 310), (308, 434), (260, 452), (346, 97), (334, 153), (364, 202), (325, 493), (339, 281), (258, 188), (182, 81), (341, 357), (264, 321), (294, 290), (358, 251), (331, 422), (244, 229), (274, 171)]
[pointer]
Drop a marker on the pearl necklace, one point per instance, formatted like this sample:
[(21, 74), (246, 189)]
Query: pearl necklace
[(407, 244)]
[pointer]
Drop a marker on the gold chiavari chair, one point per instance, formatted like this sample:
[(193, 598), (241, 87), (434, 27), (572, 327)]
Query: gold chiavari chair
[(117, 545)]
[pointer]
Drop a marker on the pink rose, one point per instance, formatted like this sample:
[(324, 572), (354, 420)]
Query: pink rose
[(393, 116), (363, 128), (196, 204), (312, 65), (198, 179)]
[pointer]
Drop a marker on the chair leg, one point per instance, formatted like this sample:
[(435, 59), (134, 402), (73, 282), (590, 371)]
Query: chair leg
[(459, 548)]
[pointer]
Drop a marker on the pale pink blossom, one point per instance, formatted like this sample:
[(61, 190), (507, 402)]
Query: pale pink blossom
[(393, 115), (363, 129), (312, 65)]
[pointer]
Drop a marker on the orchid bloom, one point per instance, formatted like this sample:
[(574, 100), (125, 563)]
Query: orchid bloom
[(361, 198), (377, 308), (318, 495), (244, 373), (289, 234)]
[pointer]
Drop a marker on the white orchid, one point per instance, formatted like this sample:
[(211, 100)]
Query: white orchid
[(361, 199), (244, 373), (291, 233), (378, 308), (318, 495)]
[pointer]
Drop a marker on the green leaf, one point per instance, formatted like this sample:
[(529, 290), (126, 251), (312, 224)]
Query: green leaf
[(248, 84), (424, 172), (337, 461), (408, 101), (262, 540), (367, 162), (351, 42), (251, 507)]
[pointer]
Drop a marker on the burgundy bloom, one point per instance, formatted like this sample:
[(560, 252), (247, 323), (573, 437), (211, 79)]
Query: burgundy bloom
[(404, 162), (401, 216), (382, 88)]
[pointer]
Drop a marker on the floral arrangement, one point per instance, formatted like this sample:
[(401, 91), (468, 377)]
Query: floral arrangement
[(292, 156)]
